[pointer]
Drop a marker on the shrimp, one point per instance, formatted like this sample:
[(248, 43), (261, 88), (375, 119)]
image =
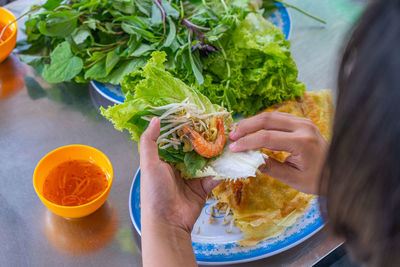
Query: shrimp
[(201, 145)]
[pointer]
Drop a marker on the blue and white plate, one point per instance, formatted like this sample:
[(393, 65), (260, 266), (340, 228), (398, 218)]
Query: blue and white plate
[(113, 93), (213, 245)]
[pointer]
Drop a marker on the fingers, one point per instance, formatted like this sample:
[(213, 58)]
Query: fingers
[(267, 121), (278, 170), (209, 183), (148, 142), (274, 140)]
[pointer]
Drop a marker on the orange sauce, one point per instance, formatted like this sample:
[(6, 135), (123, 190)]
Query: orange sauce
[(6, 34), (74, 183)]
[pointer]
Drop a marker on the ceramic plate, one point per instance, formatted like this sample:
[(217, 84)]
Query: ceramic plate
[(113, 93), (213, 245)]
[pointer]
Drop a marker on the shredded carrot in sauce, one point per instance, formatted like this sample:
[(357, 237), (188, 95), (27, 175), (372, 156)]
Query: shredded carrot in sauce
[(6, 34), (74, 183)]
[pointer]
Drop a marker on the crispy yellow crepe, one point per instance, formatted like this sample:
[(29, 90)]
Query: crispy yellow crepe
[(262, 206)]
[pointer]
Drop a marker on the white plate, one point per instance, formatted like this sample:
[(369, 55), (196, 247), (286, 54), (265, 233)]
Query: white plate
[(213, 245)]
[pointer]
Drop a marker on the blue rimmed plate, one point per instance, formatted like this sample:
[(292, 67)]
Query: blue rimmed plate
[(213, 245), (113, 93)]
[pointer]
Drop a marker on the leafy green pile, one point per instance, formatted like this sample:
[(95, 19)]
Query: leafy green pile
[(225, 48), (254, 70), (153, 86), (104, 40)]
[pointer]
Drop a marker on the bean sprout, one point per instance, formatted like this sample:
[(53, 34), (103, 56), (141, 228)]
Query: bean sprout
[(178, 115)]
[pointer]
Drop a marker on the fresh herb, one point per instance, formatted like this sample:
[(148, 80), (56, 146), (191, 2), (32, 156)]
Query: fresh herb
[(153, 91), (224, 48), (194, 162), (253, 70), (64, 65), (107, 39)]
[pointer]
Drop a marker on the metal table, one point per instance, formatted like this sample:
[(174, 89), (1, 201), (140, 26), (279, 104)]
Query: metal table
[(36, 118)]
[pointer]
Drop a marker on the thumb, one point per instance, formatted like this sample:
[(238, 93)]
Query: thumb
[(148, 142), (209, 183)]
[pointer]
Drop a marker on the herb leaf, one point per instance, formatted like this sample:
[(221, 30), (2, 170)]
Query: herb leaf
[(64, 65), (80, 35), (194, 162), (59, 24), (171, 34)]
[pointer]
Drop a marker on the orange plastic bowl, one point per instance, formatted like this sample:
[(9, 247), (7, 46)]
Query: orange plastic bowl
[(67, 153), (9, 38)]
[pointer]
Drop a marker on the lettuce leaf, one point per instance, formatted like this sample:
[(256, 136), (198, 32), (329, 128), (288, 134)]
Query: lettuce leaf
[(261, 70), (154, 86), (151, 86)]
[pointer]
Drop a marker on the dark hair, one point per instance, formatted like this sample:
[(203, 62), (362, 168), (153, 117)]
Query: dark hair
[(361, 176)]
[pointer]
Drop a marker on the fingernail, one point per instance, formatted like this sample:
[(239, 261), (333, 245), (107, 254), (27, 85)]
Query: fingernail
[(153, 121), (232, 147)]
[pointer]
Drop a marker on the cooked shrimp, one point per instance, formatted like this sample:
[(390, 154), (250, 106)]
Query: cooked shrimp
[(201, 145)]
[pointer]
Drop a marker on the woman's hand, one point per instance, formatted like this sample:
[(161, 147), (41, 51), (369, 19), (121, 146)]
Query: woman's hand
[(285, 132), (170, 206)]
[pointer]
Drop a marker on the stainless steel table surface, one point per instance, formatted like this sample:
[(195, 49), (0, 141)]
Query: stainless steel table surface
[(36, 118)]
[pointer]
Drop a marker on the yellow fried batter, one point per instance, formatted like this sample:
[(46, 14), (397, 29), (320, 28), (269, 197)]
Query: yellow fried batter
[(262, 206)]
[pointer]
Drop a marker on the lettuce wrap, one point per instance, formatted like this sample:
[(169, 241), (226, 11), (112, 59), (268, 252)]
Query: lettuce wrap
[(153, 91)]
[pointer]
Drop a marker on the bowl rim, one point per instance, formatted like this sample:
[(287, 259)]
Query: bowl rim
[(110, 179), (14, 32)]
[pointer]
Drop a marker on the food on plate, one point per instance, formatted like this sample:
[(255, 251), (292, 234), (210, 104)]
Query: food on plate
[(193, 130), (263, 207), (201, 145), (226, 49), (254, 66), (74, 183), (111, 38)]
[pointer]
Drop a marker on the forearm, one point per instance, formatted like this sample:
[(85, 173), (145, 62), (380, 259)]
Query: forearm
[(165, 245)]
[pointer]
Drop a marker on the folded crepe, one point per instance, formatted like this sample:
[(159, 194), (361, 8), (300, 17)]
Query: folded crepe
[(262, 206)]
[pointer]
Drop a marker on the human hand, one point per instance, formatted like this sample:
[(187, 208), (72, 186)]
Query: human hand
[(285, 132), (165, 196)]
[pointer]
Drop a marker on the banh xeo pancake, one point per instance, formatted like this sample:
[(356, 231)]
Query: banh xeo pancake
[(262, 206)]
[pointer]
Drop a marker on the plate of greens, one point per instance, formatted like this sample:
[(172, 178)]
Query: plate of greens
[(214, 243), (233, 52), (277, 15)]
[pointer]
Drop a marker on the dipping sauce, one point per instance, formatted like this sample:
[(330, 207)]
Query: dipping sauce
[(6, 34), (74, 183)]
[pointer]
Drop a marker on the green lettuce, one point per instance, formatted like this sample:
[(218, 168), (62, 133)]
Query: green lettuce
[(253, 70), (154, 86)]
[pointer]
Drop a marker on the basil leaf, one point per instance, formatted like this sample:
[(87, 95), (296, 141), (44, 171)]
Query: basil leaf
[(195, 69), (142, 50), (97, 71), (141, 6), (91, 23), (63, 66), (123, 6), (127, 66), (156, 15), (133, 28), (170, 10), (111, 60), (80, 35), (60, 24), (171, 33), (51, 4)]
